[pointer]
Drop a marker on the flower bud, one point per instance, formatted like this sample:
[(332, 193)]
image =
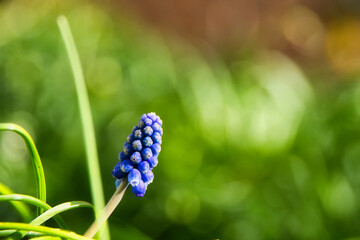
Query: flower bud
[(152, 116), (128, 149), (147, 177), (138, 134), (146, 153), (126, 166), (148, 122), (123, 156), (147, 142), (148, 131), (153, 161), (137, 145), (140, 189), (134, 177), (144, 167), (156, 127), (117, 172), (135, 158), (155, 148), (156, 137)]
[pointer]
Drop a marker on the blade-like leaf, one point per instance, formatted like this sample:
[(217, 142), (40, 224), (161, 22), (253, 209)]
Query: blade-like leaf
[(47, 230), (33, 201), (46, 238), (53, 212), (21, 208), (34, 155), (86, 119)]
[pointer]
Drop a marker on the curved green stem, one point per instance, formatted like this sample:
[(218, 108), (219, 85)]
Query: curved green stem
[(52, 213), (33, 201), (47, 230), (21, 208), (46, 238), (34, 155)]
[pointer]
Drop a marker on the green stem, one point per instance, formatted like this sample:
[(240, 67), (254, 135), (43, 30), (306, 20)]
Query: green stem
[(34, 155), (86, 119), (52, 213), (33, 201), (109, 208), (47, 230), (22, 209)]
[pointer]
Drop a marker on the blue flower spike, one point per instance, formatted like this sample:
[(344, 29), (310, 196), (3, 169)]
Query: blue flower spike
[(140, 154), (136, 162)]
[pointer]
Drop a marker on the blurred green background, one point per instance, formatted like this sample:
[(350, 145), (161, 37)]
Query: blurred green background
[(260, 103)]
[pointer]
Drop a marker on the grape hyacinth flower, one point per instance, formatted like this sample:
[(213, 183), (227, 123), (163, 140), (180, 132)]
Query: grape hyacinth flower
[(140, 153), (136, 162)]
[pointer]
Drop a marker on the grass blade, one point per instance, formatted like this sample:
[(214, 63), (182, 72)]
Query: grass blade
[(33, 201), (41, 229), (46, 238), (34, 155), (86, 119), (21, 208), (53, 212)]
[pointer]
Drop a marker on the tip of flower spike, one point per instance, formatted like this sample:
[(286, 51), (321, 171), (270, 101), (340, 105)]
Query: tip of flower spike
[(152, 116)]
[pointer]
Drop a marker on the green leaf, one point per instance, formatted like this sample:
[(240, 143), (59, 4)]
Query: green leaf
[(46, 238), (20, 207), (41, 229), (53, 212), (34, 155), (86, 119), (33, 201)]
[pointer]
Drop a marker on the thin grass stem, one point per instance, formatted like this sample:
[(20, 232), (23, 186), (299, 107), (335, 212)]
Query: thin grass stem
[(20, 207), (86, 119), (41, 229), (33, 201), (52, 212)]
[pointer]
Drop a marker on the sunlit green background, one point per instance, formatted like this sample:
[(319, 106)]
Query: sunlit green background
[(261, 132)]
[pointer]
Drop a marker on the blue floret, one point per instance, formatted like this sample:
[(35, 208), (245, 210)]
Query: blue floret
[(136, 157), (137, 145), (146, 153), (134, 177), (147, 177), (140, 189)]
